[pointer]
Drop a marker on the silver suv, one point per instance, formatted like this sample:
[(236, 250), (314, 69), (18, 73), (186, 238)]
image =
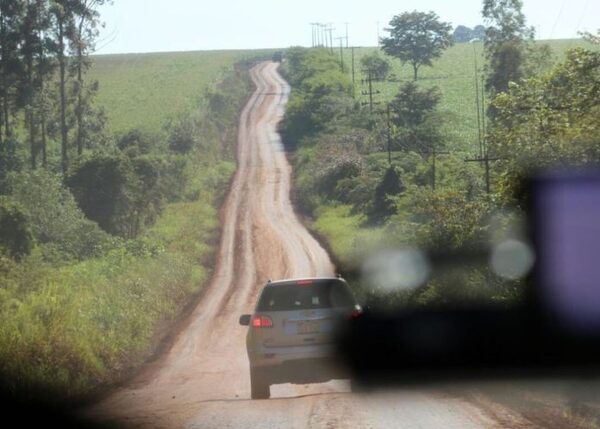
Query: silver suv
[(291, 333)]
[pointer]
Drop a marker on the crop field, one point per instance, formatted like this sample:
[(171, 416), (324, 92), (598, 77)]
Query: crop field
[(454, 74), (144, 91)]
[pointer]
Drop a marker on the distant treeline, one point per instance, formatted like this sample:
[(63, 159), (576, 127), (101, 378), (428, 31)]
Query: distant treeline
[(463, 34)]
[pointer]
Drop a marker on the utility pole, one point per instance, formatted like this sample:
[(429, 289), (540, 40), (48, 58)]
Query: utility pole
[(389, 136), (484, 153), (479, 133), (314, 33), (434, 153), (341, 52), (377, 33), (346, 24), (353, 76), (330, 30), (485, 159), (370, 91), (318, 34)]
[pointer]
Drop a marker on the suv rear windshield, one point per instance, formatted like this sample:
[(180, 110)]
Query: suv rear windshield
[(294, 296)]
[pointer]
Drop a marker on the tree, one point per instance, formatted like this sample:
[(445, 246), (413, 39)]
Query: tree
[(375, 66), (506, 39), (390, 185), (413, 105), (9, 162), (16, 239), (183, 135), (10, 17), (32, 49), (56, 221), (63, 26), (462, 34), (100, 187), (417, 38), (417, 127), (82, 43), (548, 120), (592, 38), (479, 32), (321, 94), (46, 66), (120, 194)]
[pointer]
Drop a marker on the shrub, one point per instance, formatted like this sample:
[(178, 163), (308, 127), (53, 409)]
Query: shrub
[(390, 185), (56, 221), (183, 135), (100, 186), (16, 239)]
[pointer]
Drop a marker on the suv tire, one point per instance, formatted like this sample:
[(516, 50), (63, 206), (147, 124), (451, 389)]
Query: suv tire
[(259, 384)]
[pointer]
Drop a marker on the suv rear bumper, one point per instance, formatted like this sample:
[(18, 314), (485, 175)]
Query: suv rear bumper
[(299, 364), (305, 371), (274, 356)]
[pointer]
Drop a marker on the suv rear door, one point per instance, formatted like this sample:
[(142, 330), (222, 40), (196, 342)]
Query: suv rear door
[(304, 312)]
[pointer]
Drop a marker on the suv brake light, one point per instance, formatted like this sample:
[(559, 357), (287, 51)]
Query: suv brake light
[(356, 312), (259, 321)]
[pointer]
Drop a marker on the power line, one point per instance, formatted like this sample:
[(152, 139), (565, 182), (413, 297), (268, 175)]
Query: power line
[(587, 3), (560, 12)]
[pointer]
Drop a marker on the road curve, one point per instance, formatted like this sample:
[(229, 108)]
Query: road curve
[(202, 381)]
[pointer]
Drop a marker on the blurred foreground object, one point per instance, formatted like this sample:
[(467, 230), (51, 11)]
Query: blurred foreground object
[(555, 331)]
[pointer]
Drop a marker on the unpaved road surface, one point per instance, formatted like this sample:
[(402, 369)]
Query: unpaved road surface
[(202, 381)]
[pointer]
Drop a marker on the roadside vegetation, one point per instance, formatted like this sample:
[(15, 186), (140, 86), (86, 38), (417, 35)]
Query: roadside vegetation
[(392, 173), (106, 231)]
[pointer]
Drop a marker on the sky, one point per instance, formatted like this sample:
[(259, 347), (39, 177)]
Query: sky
[(189, 25)]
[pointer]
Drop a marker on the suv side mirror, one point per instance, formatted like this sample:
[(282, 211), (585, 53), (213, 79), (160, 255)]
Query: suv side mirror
[(245, 319)]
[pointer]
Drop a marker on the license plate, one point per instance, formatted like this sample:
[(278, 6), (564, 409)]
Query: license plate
[(308, 327)]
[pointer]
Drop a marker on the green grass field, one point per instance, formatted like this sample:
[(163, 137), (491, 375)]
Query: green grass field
[(454, 74), (144, 91)]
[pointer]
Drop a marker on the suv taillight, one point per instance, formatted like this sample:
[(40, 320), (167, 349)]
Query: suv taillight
[(355, 313), (259, 321)]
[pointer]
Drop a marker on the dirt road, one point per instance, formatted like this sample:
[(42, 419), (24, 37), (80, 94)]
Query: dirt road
[(203, 380)]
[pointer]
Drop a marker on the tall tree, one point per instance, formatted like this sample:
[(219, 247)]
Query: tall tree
[(417, 123), (46, 66), (417, 38), (375, 66), (506, 39), (86, 30), (10, 16), (32, 27), (63, 26)]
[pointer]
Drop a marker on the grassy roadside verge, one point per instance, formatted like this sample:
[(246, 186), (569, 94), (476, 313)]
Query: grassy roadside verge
[(67, 330)]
